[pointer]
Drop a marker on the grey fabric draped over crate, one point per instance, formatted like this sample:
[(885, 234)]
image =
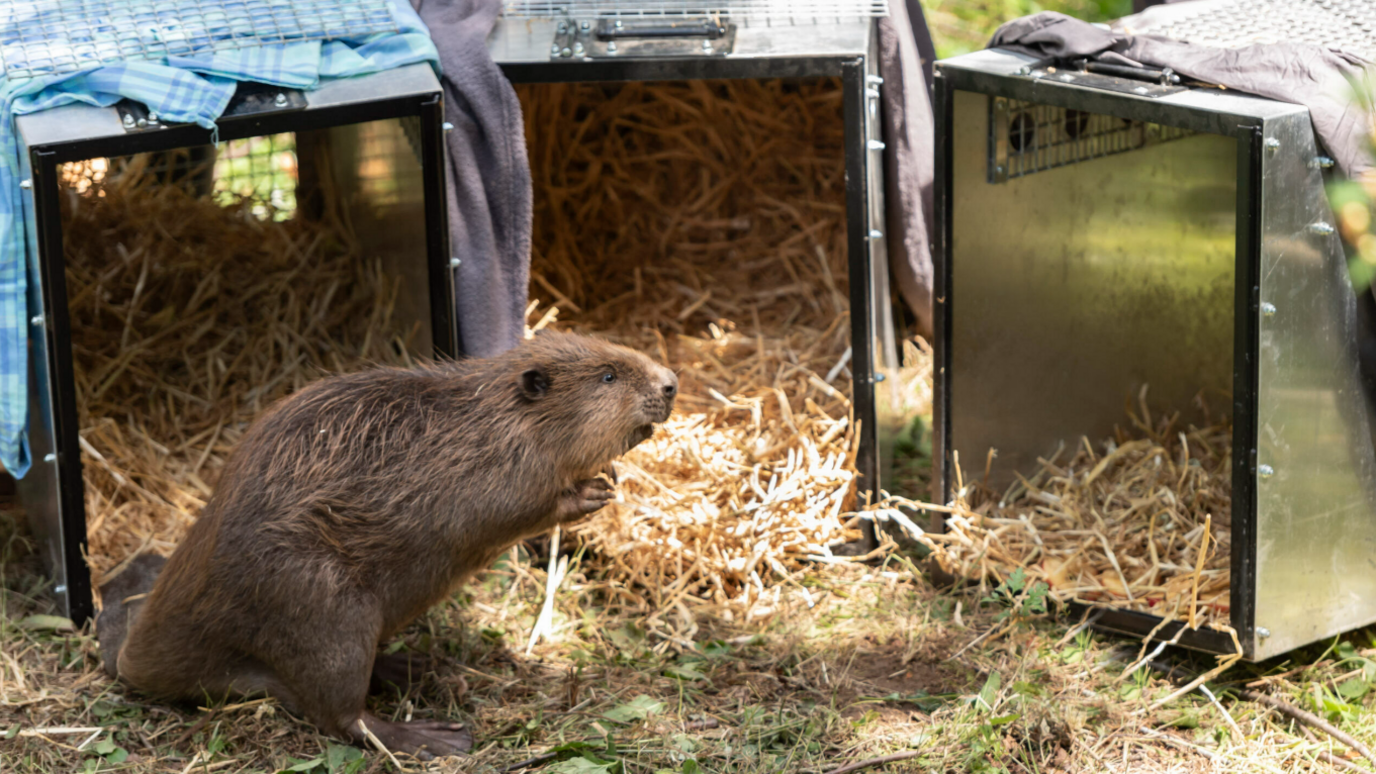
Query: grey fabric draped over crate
[(488, 177)]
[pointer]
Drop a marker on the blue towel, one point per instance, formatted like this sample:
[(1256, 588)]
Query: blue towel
[(192, 88)]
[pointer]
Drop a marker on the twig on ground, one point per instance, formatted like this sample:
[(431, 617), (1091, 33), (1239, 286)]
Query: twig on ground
[(1308, 719), (1330, 758), (528, 762), (865, 764)]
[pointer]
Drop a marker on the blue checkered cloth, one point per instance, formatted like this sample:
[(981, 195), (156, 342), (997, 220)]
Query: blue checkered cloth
[(191, 89)]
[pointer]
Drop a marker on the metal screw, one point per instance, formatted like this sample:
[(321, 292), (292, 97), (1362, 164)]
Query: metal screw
[(152, 118), (60, 588), (873, 80), (578, 48), (446, 126), (50, 457), (1138, 90), (142, 123), (1264, 472), (563, 28), (879, 378), (1272, 145), (1263, 632), (26, 184), (611, 47), (128, 121), (566, 51), (1322, 162), (585, 26), (554, 50), (875, 145), (1025, 70), (1268, 309), (872, 93), (454, 263), (876, 234), (1321, 228), (619, 25), (707, 46), (280, 100), (36, 321)]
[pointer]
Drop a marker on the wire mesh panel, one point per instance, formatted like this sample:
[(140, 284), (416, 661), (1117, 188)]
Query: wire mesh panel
[(1346, 25), (1028, 138), (261, 169), (46, 37), (741, 9)]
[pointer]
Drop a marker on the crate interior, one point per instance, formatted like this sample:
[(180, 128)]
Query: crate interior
[(204, 283), (1091, 340)]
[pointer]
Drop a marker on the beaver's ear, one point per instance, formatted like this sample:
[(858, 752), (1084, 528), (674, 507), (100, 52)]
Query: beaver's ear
[(535, 383)]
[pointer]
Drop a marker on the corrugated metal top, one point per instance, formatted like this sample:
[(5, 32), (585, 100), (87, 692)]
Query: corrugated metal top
[(43, 37), (1345, 25), (737, 9)]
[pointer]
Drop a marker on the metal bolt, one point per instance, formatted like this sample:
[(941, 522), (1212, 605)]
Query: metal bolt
[(566, 51), (872, 93), (611, 47), (1138, 90), (578, 48), (619, 25), (60, 588), (876, 234), (563, 28), (999, 169), (50, 457), (128, 121), (554, 50), (26, 184), (36, 321), (585, 26), (1321, 228), (280, 100), (1263, 632), (1264, 472), (875, 145), (446, 126), (142, 123), (1268, 309), (1025, 70), (1322, 162), (152, 118), (454, 263), (707, 46), (873, 80), (879, 377), (1272, 145)]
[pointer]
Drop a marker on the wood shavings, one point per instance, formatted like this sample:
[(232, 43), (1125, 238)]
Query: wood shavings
[(1142, 525)]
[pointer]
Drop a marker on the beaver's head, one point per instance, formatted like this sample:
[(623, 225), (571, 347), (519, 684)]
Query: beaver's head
[(600, 398)]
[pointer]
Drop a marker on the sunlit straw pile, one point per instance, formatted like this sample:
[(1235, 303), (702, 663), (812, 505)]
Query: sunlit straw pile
[(1142, 522), (704, 223), (189, 318)]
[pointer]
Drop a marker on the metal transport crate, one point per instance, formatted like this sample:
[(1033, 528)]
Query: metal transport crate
[(674, 40), (377, 140), (1097, 232)]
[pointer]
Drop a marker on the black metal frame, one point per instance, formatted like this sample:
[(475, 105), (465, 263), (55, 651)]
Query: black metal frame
[(1247, 130), (45, 161), (851, 71)]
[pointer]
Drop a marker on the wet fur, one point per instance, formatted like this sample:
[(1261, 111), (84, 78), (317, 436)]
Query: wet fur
[(356, 504)]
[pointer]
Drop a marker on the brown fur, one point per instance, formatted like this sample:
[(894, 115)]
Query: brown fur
[(351, 507)]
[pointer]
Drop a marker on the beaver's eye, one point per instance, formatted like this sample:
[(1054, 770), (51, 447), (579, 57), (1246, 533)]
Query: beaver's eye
[(609, 377)]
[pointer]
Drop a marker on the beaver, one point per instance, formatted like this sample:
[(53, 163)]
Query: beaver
[(354, 505)]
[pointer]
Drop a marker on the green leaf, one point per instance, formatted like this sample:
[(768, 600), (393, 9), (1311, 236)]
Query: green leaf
[(684, 672), (337, 756), (1003, 720), (990, 692), (690, 766), (118, 756), (1355, 688), (1185, 720), (12, 731), (1017, 581), (354, 767), (46, 623), (716, 648), (638, 708), (104, 746), (582, 766), (1346, 651), (301, 765), (1023, 688)]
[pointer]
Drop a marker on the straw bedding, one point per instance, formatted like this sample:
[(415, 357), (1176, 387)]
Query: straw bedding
[(188, 319), (1142, 522)]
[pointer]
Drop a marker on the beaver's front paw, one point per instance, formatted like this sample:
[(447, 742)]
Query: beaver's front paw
[(585, 497)]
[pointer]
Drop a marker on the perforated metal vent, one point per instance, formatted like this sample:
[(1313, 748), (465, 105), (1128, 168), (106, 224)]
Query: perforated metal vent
[(1026, 138), (1346, 25), (738, 9), (47, 37)]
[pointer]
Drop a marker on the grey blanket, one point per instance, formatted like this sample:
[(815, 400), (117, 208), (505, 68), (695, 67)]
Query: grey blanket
[(488, 177), (1291, 72)]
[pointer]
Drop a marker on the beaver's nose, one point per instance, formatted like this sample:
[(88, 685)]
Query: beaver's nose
[(670, 385)]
